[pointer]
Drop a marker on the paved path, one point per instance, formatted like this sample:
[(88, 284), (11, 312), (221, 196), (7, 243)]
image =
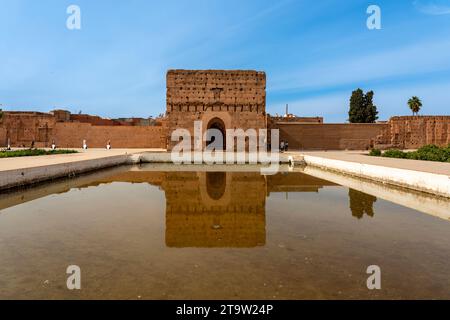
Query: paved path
[(40, 161), (426, 176), (21, 171), (352, 156), (362, 157)]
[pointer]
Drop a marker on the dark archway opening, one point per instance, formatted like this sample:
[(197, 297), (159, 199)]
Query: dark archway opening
[(218, 124)]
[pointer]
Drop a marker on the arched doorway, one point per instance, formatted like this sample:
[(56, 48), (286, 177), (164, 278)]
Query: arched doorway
[(217, 123)]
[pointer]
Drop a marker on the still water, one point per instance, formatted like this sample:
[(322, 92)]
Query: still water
[(142, 233)]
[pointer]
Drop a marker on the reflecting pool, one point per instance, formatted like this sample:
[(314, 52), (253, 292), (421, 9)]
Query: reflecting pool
[(146, 232)]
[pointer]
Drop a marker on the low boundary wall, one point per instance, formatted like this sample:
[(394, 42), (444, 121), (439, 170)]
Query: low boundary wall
[(437, 184), (71, 135), (25, 176), (336, 136)]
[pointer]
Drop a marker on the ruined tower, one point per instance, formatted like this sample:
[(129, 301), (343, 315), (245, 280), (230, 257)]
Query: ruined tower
[(220, 99)]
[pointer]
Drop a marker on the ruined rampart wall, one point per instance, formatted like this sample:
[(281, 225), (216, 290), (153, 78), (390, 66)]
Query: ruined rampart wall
[(412, 132), (23, 128), (71, 135)]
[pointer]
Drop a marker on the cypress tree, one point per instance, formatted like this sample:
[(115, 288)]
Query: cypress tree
[(362, 109)]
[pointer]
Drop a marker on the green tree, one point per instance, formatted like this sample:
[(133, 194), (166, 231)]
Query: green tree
[(362, 109), (1, 115), (415, 104), (356, 106), (371, 109)]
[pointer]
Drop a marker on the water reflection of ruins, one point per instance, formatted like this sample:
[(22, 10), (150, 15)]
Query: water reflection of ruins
[(224, 209), (219, 209), (215, 209), (209, 209)]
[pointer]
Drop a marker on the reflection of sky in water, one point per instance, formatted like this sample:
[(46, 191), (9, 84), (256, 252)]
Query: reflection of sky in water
[(216, 235)]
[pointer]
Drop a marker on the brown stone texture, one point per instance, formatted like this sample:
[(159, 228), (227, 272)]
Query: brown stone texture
[(412, 132), (303, 136), (235, 99), (3, 137), (61, 115), (24, 127), (94, 120), (297, 119), (71, 135)]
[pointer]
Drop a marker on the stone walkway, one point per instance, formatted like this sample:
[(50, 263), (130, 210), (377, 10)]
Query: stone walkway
[(21, 171), (425, 176), (40, 161), (352, 156), (363, 158)]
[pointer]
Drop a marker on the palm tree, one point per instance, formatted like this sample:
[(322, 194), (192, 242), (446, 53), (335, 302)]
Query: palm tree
[(415, 104)]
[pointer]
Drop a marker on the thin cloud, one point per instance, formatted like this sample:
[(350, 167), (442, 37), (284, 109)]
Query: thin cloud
[(423, 57), (433, 7)]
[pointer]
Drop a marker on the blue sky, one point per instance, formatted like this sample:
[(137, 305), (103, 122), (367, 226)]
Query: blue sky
[(314, 53)]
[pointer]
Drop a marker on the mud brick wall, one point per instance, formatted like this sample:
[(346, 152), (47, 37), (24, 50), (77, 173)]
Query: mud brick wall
[(94, 120), (236, 98), (24, 127), (297, 119), (304, 136), (412, 132), (71, 135), (3, 137)]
